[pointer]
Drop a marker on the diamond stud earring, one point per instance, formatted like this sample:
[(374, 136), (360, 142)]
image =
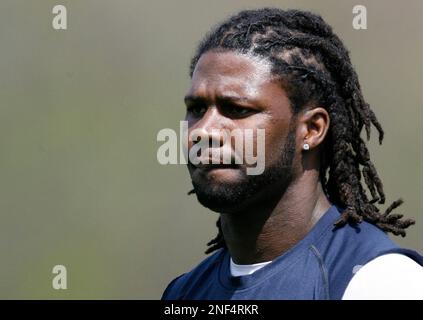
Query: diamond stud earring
[(306, 146)]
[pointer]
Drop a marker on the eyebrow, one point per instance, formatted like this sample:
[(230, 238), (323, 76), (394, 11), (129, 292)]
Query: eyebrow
[(219, 99)]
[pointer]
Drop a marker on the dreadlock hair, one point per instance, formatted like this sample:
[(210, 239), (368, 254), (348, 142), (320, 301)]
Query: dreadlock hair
[(315, 69)]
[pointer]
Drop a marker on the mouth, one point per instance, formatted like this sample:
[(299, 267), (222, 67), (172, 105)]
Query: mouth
[(215, 173), (207, 165), (211, 166)]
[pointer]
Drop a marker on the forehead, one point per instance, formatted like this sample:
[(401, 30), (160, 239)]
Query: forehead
[(231, 71)]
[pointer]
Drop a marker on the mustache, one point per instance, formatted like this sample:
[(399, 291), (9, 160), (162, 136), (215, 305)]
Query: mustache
[(224, 155)]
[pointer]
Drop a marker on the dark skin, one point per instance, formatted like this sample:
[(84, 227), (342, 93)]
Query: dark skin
[(235, 91)]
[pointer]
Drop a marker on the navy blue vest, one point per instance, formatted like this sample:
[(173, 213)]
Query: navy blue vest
[(320, 266)]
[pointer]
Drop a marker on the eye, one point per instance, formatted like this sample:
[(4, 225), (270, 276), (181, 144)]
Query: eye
[(197, 110), (235, 111)]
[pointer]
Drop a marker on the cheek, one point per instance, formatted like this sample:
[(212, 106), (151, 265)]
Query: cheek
[(270, 143), (276, 135), (245, 138)]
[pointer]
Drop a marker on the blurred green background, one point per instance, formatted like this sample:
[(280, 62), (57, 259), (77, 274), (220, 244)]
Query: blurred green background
[(79, 113)]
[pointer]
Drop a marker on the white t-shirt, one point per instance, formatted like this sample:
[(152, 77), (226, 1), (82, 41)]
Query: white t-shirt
[(390, 276), (246, 269)]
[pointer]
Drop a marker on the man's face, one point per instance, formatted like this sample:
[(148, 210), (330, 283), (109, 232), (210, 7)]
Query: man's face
[(234, 91)]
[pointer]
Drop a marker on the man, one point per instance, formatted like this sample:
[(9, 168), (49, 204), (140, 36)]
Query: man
[(305, 228)]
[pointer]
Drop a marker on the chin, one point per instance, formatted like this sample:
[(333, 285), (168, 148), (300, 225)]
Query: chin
[(231, 190), (214, 178), (223, 191), (220, 202)]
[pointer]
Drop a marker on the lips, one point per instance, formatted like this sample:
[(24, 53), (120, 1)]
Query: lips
[(222, 158), (216, 166), (210, 163)]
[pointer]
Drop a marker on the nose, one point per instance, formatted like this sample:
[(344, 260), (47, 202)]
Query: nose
[(209, 128)]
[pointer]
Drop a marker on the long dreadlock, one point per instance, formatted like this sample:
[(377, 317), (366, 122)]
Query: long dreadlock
[(315, 67)]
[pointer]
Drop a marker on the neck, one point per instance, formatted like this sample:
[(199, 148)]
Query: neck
[(261, 234)]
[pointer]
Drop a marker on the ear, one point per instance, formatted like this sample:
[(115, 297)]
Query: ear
[(313, 125)]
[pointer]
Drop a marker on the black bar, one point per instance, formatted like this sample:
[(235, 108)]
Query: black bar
[(152, 309)]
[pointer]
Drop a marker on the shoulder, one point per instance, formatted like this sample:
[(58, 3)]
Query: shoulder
[(352, 244), (343, 249), (170, 292), (359, 242), (390, 276), (177, 288)]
